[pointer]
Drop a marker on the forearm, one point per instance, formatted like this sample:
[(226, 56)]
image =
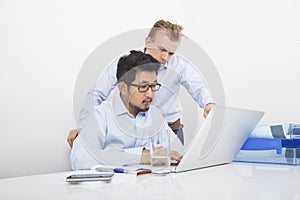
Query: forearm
[(80, 158), (106, 83), (84, 156), (195, 84)]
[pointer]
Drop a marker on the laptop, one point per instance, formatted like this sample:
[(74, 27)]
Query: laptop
[(220, 138)]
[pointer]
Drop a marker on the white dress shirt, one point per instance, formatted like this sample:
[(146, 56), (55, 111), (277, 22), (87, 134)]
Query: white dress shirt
[(113, 136), (177, 71)]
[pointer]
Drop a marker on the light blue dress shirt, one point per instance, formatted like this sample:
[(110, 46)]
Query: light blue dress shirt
[(177, 71), (114, 137)]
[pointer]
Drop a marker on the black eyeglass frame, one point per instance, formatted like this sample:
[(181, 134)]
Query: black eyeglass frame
[(154, 87)]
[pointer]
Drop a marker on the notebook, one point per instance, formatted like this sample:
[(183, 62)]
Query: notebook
[(220, 138)]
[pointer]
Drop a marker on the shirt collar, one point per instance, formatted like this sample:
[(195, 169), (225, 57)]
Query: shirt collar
[(165, 65), (120, 109), (118, 106), (145, 123)]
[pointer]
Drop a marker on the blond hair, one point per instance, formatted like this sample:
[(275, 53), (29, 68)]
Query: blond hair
[(173, 30)]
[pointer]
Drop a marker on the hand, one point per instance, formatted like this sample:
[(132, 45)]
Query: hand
[(145, 156), (175, 157), (72, 135), (207, 109)]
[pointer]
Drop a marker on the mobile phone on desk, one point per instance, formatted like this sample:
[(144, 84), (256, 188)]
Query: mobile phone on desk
[(76, 178)]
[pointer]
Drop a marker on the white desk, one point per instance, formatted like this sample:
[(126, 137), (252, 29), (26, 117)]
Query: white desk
[(236, 181)]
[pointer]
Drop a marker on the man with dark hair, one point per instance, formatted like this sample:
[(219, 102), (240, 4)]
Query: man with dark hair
[(120, 132)]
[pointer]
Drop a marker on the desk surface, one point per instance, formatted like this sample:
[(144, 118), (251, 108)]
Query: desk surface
[(233, 181)]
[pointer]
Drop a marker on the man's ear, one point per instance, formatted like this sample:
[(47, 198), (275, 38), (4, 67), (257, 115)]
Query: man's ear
[(123, 87), (147, 41)]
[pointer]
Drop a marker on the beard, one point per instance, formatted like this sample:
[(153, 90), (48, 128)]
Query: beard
[(138, 109)]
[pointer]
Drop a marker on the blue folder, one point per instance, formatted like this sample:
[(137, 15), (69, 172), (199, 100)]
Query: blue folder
[(259, 150)]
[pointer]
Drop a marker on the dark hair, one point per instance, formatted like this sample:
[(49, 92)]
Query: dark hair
[(136, 61)]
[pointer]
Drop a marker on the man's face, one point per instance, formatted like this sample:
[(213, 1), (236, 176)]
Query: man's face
[(161, 47), (140, 101)]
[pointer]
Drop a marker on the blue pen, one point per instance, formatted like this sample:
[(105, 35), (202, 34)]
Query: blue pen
[(120, 170)]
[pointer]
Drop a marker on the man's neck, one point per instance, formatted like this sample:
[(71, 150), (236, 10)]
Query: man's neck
[(130, 109)]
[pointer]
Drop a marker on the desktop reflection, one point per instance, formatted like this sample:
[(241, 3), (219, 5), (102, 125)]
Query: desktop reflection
[(165, 187), (278, 182), (233, 181)]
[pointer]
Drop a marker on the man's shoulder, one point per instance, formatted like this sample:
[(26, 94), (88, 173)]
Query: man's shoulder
[(177, 57), (103, 107), (178, 61), (155, 112)]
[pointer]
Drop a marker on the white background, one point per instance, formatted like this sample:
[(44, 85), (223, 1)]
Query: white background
[(43, 44)]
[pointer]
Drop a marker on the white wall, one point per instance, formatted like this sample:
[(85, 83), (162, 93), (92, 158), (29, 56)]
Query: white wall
[(256, 47), (43, 44)]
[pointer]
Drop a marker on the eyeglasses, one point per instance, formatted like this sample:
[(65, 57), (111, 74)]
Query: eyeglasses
[(145, 88)]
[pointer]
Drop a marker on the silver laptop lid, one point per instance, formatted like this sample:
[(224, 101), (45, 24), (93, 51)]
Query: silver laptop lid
[(221, 136)]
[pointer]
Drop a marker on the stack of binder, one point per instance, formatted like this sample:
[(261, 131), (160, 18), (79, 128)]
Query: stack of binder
[(276, 144)]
